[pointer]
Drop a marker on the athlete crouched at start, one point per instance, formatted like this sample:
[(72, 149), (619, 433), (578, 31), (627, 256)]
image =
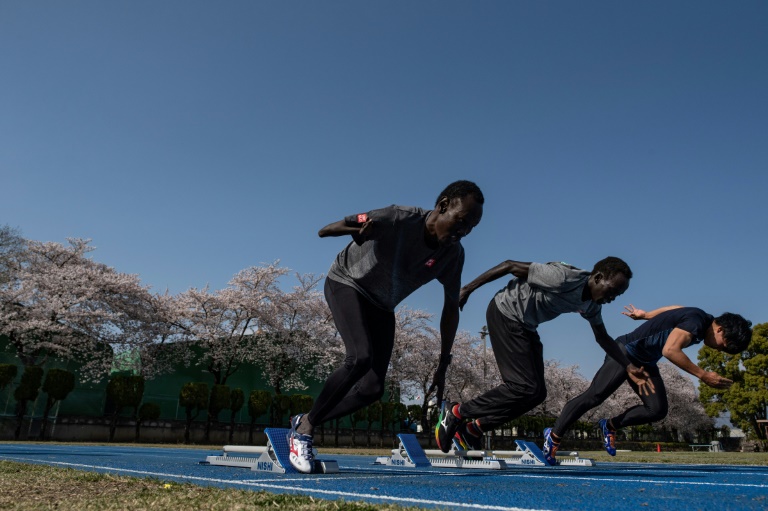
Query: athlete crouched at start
[(665, 334)]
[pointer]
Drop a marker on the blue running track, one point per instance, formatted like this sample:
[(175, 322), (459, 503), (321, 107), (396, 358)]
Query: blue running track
[(603, 487)]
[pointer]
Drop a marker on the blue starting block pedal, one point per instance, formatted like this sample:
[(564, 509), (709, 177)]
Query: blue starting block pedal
[(408, 454), (271, 458), (528, 453), (411, 455), (531, 451)]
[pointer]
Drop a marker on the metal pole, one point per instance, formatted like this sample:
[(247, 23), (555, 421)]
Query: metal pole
[(483, 335)]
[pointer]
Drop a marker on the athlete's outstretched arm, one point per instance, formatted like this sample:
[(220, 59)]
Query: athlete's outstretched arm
[(449, 324), (342, 228), (516, 268), (673, 351), (635, 313)]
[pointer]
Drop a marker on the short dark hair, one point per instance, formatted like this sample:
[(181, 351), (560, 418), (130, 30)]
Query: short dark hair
[(459, 190), (611, 266), (736, 330)]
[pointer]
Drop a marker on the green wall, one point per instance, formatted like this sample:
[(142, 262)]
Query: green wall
[(89, 399)]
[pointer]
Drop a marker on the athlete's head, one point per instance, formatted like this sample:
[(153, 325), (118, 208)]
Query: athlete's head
[(458, 210), (460, 189), (730, 333), (608, 280)]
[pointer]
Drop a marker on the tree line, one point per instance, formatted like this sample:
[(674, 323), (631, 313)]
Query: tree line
[(57, 302)]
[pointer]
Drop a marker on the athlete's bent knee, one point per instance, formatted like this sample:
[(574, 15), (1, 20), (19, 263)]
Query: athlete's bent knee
[(358, 366), (539, 395), (371, 394), (657, 413)]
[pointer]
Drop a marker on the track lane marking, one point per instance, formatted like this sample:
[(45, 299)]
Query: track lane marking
[(281, 487)]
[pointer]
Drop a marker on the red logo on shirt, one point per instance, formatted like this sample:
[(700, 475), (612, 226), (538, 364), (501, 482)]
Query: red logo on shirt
[(430, 263), (362, 218)]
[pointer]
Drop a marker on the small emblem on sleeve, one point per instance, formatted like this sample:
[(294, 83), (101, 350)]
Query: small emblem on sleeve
[(430, 263), (362, 218)]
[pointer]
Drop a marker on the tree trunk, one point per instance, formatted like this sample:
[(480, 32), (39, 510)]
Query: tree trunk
[(336, 434), (207, 435), (21, 410), (188, 426), (44, 426), (113, 425)]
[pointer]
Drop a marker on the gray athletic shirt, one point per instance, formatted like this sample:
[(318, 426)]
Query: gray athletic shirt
[(394, 260), (551, 289)]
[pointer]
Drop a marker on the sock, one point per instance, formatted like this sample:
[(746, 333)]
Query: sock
[(555, 439), (473, 428), (305, 427), (455, 410)]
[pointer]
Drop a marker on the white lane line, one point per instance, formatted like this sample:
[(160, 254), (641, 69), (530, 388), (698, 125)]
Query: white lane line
[(281, 487), (645, 481)]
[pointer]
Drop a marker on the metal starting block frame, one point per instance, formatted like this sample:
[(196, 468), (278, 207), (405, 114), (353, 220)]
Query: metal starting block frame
[(528, 453), (271, 458), (410, 454)]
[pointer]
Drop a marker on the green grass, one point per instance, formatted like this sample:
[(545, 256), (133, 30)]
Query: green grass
[(36, 487), (680, 457)]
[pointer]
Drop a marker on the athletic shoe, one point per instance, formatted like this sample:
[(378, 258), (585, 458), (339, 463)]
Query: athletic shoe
[(609, 437), (466, 440), (550, 447), (300, 453), (447, 424)]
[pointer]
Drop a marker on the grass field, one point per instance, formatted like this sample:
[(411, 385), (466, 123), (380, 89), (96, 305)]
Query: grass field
[(28, 487)]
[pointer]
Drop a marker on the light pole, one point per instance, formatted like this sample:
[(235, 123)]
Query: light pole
[(483, 335)]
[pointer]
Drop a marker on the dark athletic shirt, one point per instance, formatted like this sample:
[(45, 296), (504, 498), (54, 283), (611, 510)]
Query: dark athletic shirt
[(645, 343), (394, 260), (549, 290)]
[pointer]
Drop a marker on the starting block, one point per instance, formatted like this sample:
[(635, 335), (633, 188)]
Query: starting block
[(457, 458), (408, 454), (528, 453), (411, 454), (270, 458)]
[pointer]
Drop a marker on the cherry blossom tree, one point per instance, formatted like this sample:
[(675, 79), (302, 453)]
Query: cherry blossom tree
[(296, 337), (469, 375), (224, 323), (60, 303), (165, 339), (563, 384), (12, 247), (416, 355), (686, 414), (410, 326), (416, 366)]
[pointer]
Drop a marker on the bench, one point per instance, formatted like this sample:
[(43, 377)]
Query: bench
[(710, 447)]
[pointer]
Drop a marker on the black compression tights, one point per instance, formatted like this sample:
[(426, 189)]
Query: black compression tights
[(368, 333), (605, 382)]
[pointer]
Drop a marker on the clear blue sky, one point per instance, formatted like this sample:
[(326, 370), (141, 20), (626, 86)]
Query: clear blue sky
[(192, 139)]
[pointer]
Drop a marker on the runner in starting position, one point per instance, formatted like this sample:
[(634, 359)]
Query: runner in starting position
[(395, 250), (539, 293), (665, 334)]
